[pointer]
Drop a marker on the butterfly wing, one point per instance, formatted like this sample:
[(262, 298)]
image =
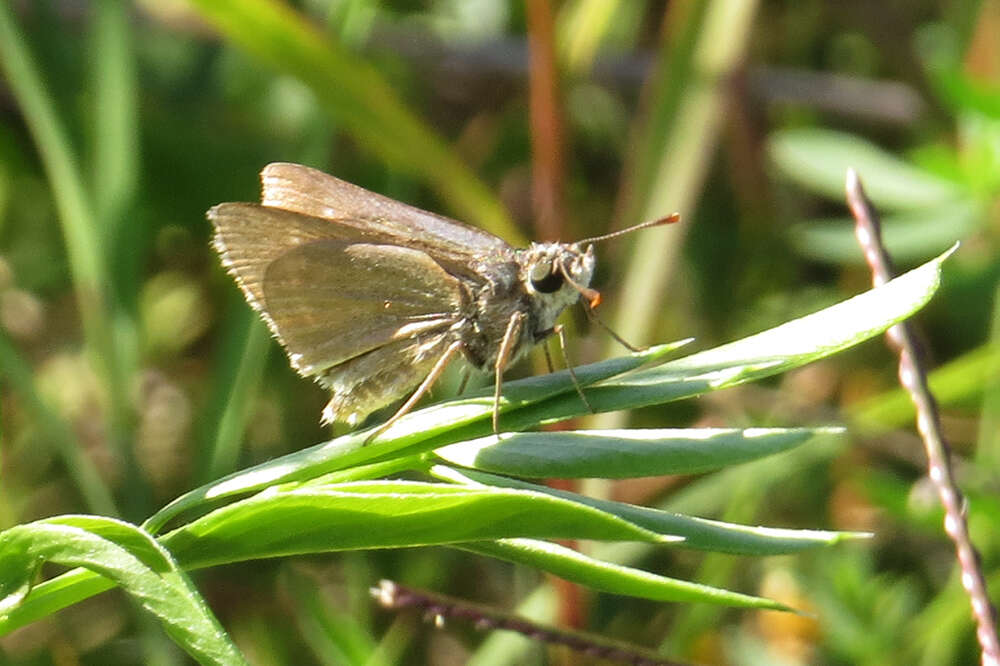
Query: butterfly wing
[(376, 378), (248, 237), (304, 190), (330, 299)]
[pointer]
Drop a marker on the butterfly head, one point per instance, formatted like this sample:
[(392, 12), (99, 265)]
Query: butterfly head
[(556, 275)]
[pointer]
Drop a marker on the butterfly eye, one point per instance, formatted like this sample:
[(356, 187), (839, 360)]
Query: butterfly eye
[(545, 278)]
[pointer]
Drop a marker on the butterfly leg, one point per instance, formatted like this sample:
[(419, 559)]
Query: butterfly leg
[(510, 336), (465, 380), (597, 320), (558, 330), (422, 390), (548, 357)]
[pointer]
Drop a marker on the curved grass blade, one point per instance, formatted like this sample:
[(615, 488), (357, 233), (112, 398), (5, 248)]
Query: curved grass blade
[(128, 556)]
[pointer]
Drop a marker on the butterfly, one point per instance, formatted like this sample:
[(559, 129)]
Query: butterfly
[(373, 298)]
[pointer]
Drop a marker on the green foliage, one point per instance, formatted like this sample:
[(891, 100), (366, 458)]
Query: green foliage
[(298, 512), (129, 557)]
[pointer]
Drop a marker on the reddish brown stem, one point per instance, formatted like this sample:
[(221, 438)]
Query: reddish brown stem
[(546, 122), (437, 607), (913, 377)]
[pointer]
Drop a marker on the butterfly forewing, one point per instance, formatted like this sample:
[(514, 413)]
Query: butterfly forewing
[(304, 190), (249, 237), (330, 301)]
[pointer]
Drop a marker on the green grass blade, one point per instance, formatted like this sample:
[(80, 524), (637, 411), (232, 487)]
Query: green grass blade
[(249, 372), (76, 215), (61, 166), (16, 372), (582, 26), (116, 132), (355, 93), (701, 49)]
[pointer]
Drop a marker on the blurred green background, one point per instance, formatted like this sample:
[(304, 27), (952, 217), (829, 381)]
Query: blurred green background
[(131, 369)]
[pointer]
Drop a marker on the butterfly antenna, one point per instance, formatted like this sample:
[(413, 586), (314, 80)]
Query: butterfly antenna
[(669, 219)]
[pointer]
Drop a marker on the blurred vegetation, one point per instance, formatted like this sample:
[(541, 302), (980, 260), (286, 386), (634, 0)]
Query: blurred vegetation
[(131, 369)]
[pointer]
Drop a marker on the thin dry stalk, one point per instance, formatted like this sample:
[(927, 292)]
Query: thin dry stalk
[(913, 378), (437, 607)]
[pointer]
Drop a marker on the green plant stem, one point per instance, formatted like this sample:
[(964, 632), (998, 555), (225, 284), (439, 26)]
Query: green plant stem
[(87, 263), (116, 133), (585, 23), (705, 44), (232, 424)]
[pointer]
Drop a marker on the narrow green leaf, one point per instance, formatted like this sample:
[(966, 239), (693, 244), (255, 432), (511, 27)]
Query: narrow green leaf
[(808, 338), (240, 385), (622, 454), (386, 514), (131, 558), (116, 134), (614, 578), (818, 159), (582, 26), (702, 46), (694, 532), (62, 168), (350, 450)]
